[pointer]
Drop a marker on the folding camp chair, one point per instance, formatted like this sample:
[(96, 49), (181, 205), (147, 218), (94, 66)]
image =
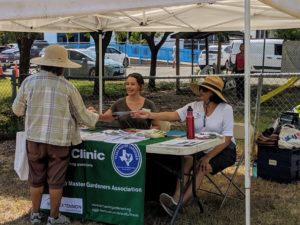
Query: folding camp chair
[(239, 134)]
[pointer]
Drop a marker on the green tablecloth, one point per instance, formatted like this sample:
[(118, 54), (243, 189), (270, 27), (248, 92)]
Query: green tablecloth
[(106, 182)]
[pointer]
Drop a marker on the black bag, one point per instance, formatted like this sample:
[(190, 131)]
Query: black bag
[(268, 138)]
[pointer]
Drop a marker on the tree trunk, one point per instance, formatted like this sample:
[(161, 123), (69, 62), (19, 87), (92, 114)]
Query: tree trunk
[(105, 43), (150, 38), (218, 71), (153, 65), (25, 41)]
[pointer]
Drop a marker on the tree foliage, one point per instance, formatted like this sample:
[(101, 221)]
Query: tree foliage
[(121, 37), (131, 37), (288, 34), (136, 38), (7, 37)]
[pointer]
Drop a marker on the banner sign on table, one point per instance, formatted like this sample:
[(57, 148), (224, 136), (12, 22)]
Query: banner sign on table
[(105, 182)]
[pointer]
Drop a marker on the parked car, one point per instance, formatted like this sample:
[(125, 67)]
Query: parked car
[(9, 57), (13, 45), (42, 52), (87, 60), (2, 48), (115, 55), (36, 47), (4, 62), (213, 56), (40, 43)]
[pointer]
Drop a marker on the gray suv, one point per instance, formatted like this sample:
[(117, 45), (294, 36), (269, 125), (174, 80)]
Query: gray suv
[(87, 60)]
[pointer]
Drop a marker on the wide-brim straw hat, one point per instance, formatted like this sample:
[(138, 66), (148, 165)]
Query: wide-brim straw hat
[(213, 83), (57, 56)]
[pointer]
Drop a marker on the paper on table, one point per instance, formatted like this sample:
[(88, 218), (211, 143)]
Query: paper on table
[(113, 136), (122, 113), (181, 142), (208, 135), (93, 136), (122, 137), (124, 140)]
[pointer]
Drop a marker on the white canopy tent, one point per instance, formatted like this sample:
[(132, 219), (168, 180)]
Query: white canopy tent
[(157, 16), (291, 7), (129, 15)]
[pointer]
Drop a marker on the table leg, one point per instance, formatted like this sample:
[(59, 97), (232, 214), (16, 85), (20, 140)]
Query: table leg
[(181, 181), (194, 188)]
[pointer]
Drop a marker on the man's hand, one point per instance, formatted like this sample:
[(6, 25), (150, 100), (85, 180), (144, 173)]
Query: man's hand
[(92, 109)]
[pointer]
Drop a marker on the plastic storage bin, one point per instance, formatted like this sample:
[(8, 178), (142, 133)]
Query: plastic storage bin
[(280, 165)]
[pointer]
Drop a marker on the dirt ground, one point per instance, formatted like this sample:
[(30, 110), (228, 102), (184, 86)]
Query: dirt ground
[(15, 200), (271, 203)]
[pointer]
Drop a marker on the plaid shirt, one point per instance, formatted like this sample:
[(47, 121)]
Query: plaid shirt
[(54, 109)]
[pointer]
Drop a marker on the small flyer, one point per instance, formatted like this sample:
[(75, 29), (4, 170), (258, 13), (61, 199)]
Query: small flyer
[(181, 142)]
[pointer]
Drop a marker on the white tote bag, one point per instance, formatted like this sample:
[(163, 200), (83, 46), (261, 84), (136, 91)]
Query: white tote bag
[(289, 137), (21, 161)]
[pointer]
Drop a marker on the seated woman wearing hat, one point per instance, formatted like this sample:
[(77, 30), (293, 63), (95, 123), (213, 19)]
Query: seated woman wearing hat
[(211, 114)]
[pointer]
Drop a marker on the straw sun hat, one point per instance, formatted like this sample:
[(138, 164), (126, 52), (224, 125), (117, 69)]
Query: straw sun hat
[(213, 83), (55, 55)]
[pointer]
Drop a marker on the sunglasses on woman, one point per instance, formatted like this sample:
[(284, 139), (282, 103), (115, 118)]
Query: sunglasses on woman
[(204, 89)]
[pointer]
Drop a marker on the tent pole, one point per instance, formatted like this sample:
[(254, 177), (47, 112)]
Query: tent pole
[(177, 64), (247, 111), (192, 52), (259, 90), (100, 72)]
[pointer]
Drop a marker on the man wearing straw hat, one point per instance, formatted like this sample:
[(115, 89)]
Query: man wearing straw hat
[(211, 114), (53, 109)]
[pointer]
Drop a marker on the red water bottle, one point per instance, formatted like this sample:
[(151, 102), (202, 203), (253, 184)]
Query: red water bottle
[(190, 129)]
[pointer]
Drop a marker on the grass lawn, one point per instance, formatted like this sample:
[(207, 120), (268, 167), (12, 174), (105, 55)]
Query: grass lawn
[(271, 203), (5, 88)]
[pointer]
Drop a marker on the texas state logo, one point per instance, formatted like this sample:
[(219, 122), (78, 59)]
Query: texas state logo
[(126, 159)]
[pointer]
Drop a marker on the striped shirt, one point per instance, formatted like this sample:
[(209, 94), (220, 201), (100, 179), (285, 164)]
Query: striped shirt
[(54, 109)]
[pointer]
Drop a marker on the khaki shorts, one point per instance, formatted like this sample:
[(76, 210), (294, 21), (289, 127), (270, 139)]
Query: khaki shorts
[(47, 163)]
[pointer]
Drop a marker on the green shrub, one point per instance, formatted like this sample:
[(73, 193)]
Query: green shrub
[(8, 120), (166, 85)]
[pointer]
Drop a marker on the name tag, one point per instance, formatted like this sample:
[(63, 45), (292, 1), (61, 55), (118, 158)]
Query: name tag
[(272, 162), (198, 114)]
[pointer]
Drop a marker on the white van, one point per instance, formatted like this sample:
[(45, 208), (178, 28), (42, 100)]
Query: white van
[(273, 54)]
